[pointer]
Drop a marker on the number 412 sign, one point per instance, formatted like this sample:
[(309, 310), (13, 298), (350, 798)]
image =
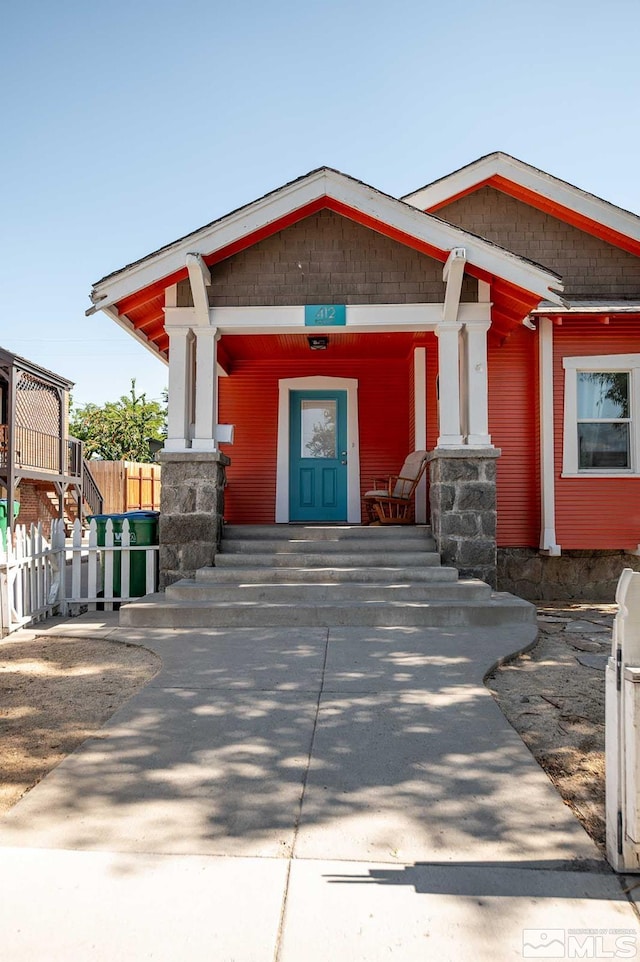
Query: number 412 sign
[(325, 315)]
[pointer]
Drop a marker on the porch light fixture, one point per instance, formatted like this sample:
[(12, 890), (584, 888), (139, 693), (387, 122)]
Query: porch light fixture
[(318, 343)]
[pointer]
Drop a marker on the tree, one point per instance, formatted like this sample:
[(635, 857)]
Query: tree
[(322, 443), (120, 430)]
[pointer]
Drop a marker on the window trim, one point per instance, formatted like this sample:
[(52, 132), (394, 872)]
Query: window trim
[(618, 363)]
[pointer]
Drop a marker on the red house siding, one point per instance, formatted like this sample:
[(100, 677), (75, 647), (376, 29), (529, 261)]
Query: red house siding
[(593, 513), (249, 399), (513, 405)]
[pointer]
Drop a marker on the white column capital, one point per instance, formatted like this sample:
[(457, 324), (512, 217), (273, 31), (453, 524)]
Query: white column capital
[(209, 331), (482, 324), (443, 327), (175, 330)]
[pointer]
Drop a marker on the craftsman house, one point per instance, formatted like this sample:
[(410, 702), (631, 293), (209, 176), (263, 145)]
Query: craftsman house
[(41, 466), (491, 318)]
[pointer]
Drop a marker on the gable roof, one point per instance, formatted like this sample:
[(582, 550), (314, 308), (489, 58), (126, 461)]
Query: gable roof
[(539, 189), (134, 295)]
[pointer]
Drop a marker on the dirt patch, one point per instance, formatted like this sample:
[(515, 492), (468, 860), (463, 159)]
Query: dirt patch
[(554, 697), (55, 693)]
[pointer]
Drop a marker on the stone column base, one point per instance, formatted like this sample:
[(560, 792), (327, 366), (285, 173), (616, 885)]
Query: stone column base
[(462, 494), (191, 511)]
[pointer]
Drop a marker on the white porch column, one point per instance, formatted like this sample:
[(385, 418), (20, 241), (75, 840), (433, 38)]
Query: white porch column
[(448, 334), (477, 387), (420, 422), (179, 408), (206, 389)]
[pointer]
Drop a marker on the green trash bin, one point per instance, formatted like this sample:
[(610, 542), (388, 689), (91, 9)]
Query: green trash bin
[(4, 515), (143, 530)]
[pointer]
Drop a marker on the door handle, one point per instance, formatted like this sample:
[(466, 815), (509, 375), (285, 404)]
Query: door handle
[(343, 455)]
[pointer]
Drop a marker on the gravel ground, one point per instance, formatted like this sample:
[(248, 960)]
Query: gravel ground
[(554, 697)]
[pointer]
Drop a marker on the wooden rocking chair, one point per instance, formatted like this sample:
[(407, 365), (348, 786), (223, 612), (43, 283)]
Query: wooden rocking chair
[(391, 500)]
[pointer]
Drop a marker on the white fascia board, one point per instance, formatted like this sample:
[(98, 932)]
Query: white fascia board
[(443, 236), (394, 213), (454, 184), (590, 307), (361, 318), (538, 181), (211, 238)]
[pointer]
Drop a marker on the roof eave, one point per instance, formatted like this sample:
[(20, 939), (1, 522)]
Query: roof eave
[(325, 182), (551, 188)]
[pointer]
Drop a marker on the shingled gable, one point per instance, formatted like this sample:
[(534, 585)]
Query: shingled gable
[(134, 295), (539, 189)]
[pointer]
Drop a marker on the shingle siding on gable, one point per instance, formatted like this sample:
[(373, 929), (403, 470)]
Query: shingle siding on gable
[(340, 262), (590, 268)]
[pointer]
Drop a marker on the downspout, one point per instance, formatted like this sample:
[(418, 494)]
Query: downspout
[(548, 543)]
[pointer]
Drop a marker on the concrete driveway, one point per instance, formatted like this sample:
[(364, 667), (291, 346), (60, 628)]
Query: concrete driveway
[(305, 794)]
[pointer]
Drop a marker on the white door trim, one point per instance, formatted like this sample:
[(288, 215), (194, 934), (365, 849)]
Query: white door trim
[(318, 383)]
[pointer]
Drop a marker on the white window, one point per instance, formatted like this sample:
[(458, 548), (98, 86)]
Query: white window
[(602, 415)]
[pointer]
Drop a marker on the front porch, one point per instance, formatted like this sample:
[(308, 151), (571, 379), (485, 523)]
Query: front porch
[(325, 292)]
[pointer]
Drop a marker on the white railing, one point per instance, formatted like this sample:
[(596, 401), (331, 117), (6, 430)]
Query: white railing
[(39, 578)]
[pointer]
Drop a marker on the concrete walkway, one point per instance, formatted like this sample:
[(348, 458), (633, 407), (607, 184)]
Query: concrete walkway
[(304, 795)]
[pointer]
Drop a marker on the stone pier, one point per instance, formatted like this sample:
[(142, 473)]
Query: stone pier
[(463, 509), (192, 511)]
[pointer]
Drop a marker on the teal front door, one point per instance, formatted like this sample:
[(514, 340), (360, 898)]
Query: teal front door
[(318, 456)]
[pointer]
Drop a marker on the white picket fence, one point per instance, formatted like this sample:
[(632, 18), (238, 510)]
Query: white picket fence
[(39, 578)]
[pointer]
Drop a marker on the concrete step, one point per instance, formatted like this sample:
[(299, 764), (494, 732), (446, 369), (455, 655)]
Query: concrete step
[(310, 532), (158, 611), (272, 575), (327, 559), (188, 591), (368, 547)]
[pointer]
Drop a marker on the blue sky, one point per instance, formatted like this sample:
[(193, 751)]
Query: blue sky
[(126, 125)]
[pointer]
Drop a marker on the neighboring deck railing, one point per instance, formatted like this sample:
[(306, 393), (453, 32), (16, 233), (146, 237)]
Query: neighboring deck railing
[(90, 490), (38, 451)]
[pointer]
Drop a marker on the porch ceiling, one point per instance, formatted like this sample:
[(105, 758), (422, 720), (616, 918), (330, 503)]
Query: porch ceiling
[(342, 346)]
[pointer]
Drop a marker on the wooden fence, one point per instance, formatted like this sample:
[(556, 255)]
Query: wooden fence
[(127, 485), (39, 578)]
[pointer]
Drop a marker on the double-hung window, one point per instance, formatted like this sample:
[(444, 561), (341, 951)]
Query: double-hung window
[(601, 416)]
